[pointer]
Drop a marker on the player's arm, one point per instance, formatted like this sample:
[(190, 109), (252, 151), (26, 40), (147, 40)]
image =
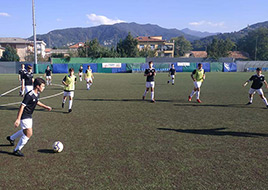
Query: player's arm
[(204, 76), (19, 78), (23, 83), (246, 83), (44, 106), (17, 122), (192, 75), (146, 73), (64, 81), (266, 85)]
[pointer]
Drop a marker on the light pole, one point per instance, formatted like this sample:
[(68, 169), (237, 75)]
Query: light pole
[(34, 35)]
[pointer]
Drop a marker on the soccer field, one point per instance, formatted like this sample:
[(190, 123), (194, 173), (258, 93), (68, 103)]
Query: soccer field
[(114, 140)]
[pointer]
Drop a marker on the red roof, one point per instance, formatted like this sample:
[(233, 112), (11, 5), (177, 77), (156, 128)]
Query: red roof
[(47, 50), (148, 39), (238, 55), (76, 46), (200, 54)]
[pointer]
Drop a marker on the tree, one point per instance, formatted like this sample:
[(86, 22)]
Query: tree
[(147, 52), (220, 48), (256, 44), (181, 46), (10, 54), (128, 47)]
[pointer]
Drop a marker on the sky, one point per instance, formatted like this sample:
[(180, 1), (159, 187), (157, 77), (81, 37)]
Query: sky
[(202, 15)]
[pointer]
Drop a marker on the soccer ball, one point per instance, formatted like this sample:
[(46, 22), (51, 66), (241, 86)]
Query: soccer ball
[(57, 146)]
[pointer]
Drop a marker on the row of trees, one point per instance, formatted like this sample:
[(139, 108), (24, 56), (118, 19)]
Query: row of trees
[(255, 43)]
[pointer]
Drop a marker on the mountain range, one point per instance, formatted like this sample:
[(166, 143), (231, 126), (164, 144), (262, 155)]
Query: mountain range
[(109, 35)]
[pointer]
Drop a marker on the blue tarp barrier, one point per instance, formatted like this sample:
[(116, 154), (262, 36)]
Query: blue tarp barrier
[(206, 66), (123, 69), (178, 68), (93, 66), (229, 67), (60, 68)]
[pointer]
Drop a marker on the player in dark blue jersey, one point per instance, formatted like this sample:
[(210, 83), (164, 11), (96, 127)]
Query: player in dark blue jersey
[(24, 117), (150, 74), (256, 86), (48, 75), (22, 71), (172, 73), (28, 79), (80, 73)]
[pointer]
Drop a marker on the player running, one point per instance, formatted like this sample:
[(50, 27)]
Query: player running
[(80, 73), (89, 77), (150, 74), (28, 79), (172, 73), (48, 75), (69, 86), (257, 83), (22, 71), (24, 117), (198, 76)]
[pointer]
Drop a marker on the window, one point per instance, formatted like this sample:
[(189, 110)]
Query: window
[(141, 46), (152, 46)]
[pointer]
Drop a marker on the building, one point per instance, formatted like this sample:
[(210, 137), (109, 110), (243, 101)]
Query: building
[(1, 51), (240, 55), (198, 54), (41, 47), (77, 45), (22, 46), (162, 47)]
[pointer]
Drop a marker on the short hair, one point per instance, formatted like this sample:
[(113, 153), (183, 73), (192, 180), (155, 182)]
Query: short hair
[(258, 69), (88, 66), (71, 69), (38, 82), (29, 67), (199, 64), (150, 62), (22, 64), (172, 64)]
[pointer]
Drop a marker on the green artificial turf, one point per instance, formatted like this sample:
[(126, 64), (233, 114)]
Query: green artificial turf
[(114, 140)]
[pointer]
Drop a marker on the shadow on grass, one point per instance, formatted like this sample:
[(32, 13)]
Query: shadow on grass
[(215, 132), (220, 105), (126, 100), (46, 151), (4, 145), (5, 152)]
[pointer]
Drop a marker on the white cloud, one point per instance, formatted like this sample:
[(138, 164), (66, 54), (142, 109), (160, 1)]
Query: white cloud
[(58, 19), (207, 23), (4, 14), (99, 19)]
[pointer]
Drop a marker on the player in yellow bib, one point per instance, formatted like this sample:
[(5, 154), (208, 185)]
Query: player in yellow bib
[(89, 77), (198, 76), (69, 82)]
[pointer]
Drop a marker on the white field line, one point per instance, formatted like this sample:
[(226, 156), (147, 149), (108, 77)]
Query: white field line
[(43, 98), (5, 93)]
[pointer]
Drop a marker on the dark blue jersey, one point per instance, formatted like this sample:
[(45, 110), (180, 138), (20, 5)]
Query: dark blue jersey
[(257, 81), (150, 78), (28, 78), (30, 101)]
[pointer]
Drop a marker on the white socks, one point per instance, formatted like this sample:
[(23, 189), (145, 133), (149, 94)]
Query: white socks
[(145, 93), (16, 135), (193, 93), (265, 101), (70, 104), (152, 95), (23, 140), (173, 81), (80, 78), (197, 95), (250, 99)]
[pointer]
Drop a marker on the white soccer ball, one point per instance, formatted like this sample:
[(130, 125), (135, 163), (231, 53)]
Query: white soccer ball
[(57, 146)]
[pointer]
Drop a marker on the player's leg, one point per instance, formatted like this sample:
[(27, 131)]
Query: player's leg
[(26, 125), (152, 94), (64, 99), (198, 95), (173, 79), (50, 80), (260, 92), (70, 102), (13, 137), (145, 92), (193, 92), (250, 95)]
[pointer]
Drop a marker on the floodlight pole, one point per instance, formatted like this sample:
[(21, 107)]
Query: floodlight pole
[(34, 35)]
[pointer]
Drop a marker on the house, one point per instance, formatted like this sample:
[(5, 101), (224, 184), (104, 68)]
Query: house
[(77, 45), (162, 47), (41, 47), (22, 46), (241, 55), (198, 54), (1, 51)]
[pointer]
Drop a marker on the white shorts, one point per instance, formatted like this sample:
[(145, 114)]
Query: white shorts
[(172, 76), (48, 77), (26, 123), (253, 91), (71, 93), (197, 84), (28, 88), (80, 74), (89, 80), (150, 84)]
